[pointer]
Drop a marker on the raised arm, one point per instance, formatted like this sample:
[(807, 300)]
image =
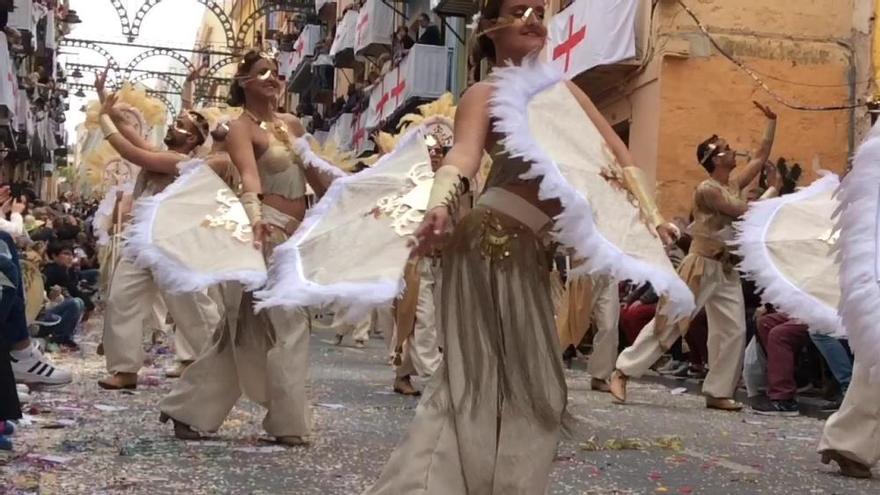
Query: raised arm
[(762, 154), (163, 162), (633, 176), (186, 97), (714, 197)]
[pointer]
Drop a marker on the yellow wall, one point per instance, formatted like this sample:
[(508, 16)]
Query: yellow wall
[(690, 91)]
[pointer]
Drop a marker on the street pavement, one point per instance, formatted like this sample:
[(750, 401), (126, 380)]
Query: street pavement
[(82, 440)]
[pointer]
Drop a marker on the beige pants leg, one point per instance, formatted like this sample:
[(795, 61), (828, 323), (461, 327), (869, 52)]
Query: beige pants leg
[(269, 365), (358, 333), (606, 314), (854, 430), (287, 374), (718, 294), (421, 354), (129, 306), (195, 317), (383, 323), (726, 314), (208, 389)]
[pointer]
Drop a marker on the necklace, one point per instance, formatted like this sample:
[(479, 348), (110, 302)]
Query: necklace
[(256, 120)]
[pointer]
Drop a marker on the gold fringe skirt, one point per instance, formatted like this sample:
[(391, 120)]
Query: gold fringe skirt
[(492, 415)]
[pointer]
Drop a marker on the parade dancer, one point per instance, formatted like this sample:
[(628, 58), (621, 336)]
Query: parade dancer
[(851, 437), (263, 355), (133, 288), (490, 419), (709, 270)]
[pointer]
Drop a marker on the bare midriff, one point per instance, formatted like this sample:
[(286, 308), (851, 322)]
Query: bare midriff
[(295, 208), (528, 190)]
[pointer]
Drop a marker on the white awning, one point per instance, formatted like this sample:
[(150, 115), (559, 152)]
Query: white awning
[(342, 49), (24, 17), (304, 46), (422, 74), (374, 29)]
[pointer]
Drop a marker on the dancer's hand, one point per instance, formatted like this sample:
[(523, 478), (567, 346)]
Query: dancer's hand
[(668, 233), (101, 82), (429, 235), (770, 114), (261, 233)]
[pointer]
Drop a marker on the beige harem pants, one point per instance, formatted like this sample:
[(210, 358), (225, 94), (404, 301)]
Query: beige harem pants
[(720, 293), (130, 309), (854, 430)]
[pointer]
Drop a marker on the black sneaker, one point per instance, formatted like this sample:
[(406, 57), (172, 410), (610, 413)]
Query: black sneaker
[(776, 408)]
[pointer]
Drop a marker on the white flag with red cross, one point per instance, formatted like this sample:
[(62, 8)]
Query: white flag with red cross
[(589, 33), (8, 81)]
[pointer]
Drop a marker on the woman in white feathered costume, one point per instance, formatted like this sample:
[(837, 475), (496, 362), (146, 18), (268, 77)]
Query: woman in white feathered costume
[(263, 355)]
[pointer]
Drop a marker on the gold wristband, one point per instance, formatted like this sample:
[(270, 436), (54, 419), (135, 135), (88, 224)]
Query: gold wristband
[(635, 182), (447, 188), (108, 128), (252, 206)]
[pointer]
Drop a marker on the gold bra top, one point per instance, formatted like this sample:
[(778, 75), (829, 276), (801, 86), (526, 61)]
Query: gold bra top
[(281, 171)]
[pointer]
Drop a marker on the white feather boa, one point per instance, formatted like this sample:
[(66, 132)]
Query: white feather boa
[(170, 274), (758, 265), (515, 86), (858, 220)]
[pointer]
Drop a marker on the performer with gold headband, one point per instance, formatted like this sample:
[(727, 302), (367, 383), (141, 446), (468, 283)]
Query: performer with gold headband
[(709, 270), (492, 415), (196, 315), (263, 355), (416, 343)]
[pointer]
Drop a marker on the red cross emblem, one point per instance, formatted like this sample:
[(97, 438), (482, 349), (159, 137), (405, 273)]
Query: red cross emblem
[(362, 24), (398, 90), (575, 38), (380, 106), (359, 131)]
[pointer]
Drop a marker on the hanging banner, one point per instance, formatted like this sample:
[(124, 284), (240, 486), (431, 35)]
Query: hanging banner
[(8, 81), (375, 26), (422, 74), (345, 33), (589, 33)]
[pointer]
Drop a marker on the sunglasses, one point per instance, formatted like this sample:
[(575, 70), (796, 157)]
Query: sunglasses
[(196, 119)]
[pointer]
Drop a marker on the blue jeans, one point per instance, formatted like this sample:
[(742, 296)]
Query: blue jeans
[(70, 311), (13, 322), (836, 354)]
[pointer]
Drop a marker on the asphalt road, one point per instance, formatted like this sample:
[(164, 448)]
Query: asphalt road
[(82, 440)]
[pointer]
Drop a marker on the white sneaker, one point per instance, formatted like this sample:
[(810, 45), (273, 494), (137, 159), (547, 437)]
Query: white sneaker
[(36, 369), (24, 395)]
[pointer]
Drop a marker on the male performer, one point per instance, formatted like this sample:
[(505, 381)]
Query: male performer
[(195, 315), (709, 270)]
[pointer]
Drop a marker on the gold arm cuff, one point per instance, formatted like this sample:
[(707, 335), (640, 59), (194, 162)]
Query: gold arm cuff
[(635, 181), (447, 188), (252, 206), (108, 128)]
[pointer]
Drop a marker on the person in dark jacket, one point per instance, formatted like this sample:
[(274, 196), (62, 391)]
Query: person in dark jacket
[(13, 324), (67, 301), (430, 32)]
